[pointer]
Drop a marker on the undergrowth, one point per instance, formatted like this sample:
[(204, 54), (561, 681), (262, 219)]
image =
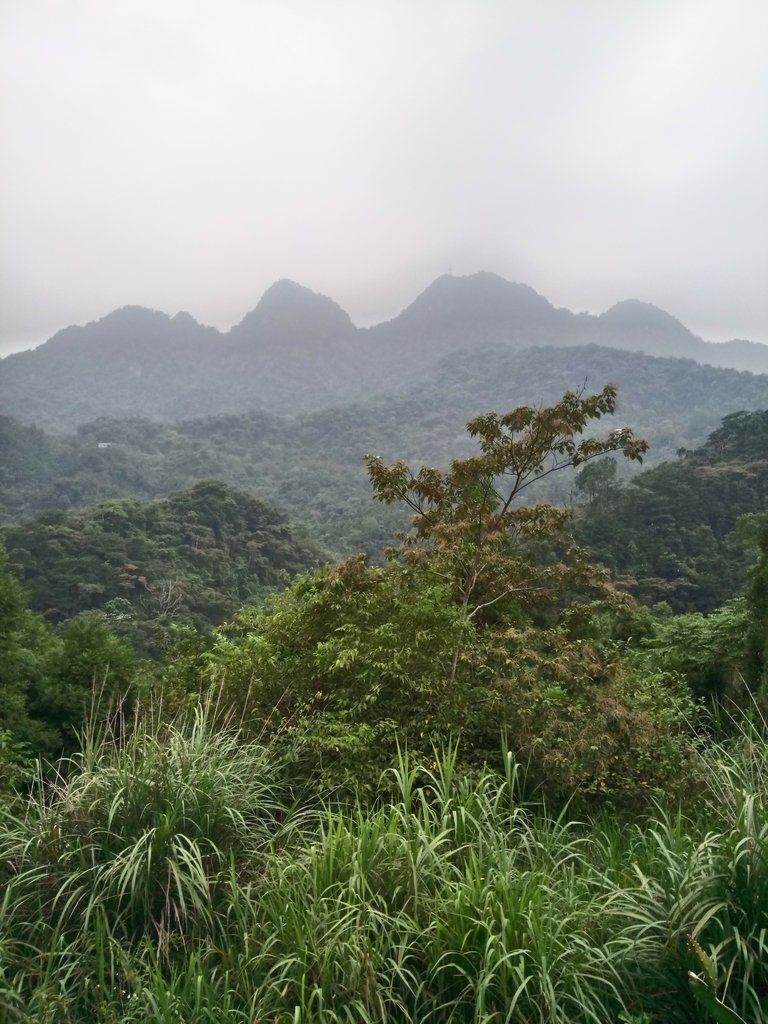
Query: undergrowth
[(169, 877)]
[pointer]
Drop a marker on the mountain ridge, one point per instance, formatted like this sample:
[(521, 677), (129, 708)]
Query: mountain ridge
[(299, 351)]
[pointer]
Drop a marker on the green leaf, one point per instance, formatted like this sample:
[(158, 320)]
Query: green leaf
[(705, 997)]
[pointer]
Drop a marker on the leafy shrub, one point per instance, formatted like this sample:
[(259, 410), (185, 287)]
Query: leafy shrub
[(338, 663), (707, 651)]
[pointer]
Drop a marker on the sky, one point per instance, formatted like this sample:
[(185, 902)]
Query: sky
[(186, 154)]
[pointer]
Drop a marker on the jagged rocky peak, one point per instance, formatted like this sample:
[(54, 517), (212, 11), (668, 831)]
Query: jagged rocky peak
[(288, 307)]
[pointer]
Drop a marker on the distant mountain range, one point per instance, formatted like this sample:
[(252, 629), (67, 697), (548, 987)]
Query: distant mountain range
[(298, 352)]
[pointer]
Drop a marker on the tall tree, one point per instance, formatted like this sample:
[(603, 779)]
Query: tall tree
[(476, 626), (470, 524)]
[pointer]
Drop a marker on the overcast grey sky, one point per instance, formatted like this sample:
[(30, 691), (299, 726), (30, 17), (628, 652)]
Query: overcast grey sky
[(185, 154)]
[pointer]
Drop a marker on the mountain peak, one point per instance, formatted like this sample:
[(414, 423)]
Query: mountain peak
[(286, 290), (633, 313), (184, 319), (479, 309), (452, 299), (109, 330), (133, 316), (287, 307), (484, 284)]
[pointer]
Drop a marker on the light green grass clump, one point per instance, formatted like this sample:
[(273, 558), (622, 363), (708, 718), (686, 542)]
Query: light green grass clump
[(166, 878)]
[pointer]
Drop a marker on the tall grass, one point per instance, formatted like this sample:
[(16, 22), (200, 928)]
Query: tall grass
[(166, 879), (135, 843)]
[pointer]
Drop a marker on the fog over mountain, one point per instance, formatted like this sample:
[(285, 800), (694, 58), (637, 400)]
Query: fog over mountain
[(298, 351), (183, 155)]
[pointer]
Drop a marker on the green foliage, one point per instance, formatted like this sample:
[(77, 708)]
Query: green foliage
[(566, 711), (757, 603), (678, 533), (452, 901), (94, 668), (161, 875), (742, 436), (704, 987), (12, 756), (588, 727), (596, 480), (310, 465), (51, 682), (192, 558), (720, 656), (470, 631), (709, 652), (342, 663), (28, 650), (139, 835), (469, 526)]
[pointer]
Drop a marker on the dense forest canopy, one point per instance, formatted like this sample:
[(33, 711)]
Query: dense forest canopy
[(684, 532), (683, 537), (270, 723), (193, 558), (311, 466)]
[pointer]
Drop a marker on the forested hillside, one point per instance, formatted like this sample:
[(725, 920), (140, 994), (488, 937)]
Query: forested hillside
[(392, 650), (193, 559), (477, 774), (684, 532), (271, 749), (298, 352), (312, 466)]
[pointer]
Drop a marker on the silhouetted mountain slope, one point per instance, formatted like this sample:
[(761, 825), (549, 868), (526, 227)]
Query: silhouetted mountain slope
[(483, 306), (739, 354), (463, 313), (297, 346), (291, 314), (131, 362), (644, 328), (298, 351)]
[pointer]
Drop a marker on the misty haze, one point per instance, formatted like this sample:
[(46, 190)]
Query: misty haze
[(383, 512)]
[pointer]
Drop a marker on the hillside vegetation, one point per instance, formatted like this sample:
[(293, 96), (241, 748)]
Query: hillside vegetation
[(172, 879), (312, 466), (299, 352), (476, 780), (684, 532), (193, 559)]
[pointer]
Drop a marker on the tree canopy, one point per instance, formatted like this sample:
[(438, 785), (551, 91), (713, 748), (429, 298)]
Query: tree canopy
[(471, 525)]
